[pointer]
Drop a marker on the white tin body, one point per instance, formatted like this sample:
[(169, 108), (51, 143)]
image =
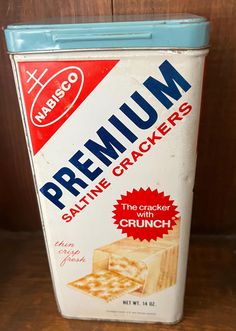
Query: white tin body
[(76, 228)]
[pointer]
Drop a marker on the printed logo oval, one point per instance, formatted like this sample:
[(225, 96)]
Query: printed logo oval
[(57, 96)]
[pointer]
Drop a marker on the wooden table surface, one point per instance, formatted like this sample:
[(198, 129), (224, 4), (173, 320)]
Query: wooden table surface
[(27, 302)]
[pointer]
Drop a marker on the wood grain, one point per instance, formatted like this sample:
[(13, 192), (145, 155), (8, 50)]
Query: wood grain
[(18, 205), (214, 208), (27, 301)]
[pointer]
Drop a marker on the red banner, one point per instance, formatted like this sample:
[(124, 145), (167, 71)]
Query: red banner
[(53, 90)]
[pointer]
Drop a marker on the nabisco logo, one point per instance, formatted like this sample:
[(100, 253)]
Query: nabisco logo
[(57, 96)]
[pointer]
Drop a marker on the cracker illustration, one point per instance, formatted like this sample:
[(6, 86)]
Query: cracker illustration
[(151, 264), (106, 285), (135, 270)]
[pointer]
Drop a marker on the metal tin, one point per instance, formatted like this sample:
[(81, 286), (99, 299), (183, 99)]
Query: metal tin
[(111, 114)]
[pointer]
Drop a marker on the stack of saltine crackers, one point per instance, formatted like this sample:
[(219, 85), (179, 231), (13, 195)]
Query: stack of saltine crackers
[(132, 266)]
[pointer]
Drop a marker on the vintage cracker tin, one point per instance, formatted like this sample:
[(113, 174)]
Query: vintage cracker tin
[(110, 111)]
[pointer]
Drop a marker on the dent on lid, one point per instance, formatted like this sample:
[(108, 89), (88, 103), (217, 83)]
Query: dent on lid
[(121, 31)]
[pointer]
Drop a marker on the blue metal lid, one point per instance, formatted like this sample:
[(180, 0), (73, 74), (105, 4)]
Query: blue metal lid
[(139, 31)]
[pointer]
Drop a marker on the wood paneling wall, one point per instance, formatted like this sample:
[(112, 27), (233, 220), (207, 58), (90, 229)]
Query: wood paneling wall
[(214, 209)]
